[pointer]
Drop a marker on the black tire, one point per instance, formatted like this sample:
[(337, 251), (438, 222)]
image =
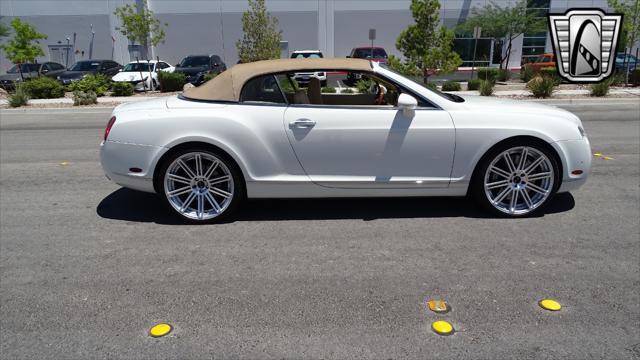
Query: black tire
[(477, 186), (239, 191)]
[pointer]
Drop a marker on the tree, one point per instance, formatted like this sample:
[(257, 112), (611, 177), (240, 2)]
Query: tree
[(504, 24), (261, 39), (630, 25), (4, 30), (25, 46), (140, 25), (426, 43)]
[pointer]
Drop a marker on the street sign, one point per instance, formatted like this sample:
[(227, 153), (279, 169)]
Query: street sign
[(477, 31), (372, 34)]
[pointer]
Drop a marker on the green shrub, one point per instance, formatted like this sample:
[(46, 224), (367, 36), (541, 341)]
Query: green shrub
[(634, 77), (84, 98), (19, 98), (98, 84), (617, 79), (171, 81), (486, 88), (347, 91), (43, 88), (488, 74), (552, 73), (329, 90), (473, 84), (432, 86), (451, 86), (527, 73), (363, 85), (121, 89), (541, 86), (601, 88), (504, 75)]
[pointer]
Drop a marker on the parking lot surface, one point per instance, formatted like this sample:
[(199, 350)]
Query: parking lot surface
[(86, 267)]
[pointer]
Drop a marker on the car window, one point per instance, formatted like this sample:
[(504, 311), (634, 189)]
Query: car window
[(137, 67), (306, 55), (313, 87), (262, 89), (47, 67), (364, 53), (85, 66), (194, 61)]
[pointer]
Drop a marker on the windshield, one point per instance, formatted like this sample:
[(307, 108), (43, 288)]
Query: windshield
[(193, 61), (85, 66), (24, 68), (138, 67), (366, 53), (450, 97), (306, 55)]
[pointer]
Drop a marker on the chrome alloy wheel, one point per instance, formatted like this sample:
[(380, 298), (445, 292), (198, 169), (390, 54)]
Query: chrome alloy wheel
[(519, 180), (199, 185)]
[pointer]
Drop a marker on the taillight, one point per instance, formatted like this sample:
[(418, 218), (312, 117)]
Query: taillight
[(108, 128)]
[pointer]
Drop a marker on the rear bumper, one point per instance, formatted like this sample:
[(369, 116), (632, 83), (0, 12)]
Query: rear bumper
[(118, 158)]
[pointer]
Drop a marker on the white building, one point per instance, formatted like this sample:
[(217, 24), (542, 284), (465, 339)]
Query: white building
[(213, 26)]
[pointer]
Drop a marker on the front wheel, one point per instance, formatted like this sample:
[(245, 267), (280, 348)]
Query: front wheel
[(516, 181), (201, 186)]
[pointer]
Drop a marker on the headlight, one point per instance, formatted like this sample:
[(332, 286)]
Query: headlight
[(582, 132)]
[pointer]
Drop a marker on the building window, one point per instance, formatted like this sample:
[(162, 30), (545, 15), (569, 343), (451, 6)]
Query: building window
[(533, 44), (464, 48)]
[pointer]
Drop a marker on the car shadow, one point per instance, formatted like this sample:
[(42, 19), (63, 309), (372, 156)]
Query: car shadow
[(129, 205)]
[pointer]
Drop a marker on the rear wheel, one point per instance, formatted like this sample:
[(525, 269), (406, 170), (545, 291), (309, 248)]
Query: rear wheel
[(201, 185), (516, 181)]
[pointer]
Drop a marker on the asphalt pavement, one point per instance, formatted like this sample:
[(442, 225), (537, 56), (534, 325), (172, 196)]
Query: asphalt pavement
[(86, 267)]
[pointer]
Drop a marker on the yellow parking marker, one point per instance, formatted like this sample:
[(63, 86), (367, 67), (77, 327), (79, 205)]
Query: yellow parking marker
[(597, 154), (438, 306), (159, 330), (65, 163), (607, 158), (442, 327), (550, 305)]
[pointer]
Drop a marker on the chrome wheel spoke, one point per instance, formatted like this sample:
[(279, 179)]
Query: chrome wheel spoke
[(219, 180), (534, 164), (188, 201), (497, 184), (537, 189), (212, 201), (180, 179), (502, 195), (211, 169), (514, 200), (500, 172), (507, 159), (200, 211), (198, 161), (527, 199), (539, 176), (220, 192), (186, 169), (180, 191), (523, 158)]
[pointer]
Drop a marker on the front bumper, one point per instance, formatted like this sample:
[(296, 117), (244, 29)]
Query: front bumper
[(575, 155), (118, 158)]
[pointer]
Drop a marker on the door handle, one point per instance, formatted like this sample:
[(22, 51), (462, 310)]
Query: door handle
[(302, 123)]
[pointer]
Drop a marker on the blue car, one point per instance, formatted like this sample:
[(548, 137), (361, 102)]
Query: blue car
[(631, 60)]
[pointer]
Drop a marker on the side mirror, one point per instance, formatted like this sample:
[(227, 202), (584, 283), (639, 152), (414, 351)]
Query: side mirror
[(44, 71), (177, 65), (216, 64), (407, 104), (120, 70), (348, 56)]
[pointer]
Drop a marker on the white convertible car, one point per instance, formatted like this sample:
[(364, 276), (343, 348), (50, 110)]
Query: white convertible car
[(251, 132)]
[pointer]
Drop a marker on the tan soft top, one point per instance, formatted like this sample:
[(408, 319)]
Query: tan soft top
[(227, 85)]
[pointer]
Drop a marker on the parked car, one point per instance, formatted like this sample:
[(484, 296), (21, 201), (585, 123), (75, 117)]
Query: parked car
[(196, 67), (51, 69), (376, 54), (630, 59), (89, 67), (546, 60), (206, 150), (143, 74), (304, 78)]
